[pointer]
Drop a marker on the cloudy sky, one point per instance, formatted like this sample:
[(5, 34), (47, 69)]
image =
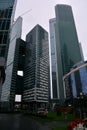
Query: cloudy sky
[(40, 11)]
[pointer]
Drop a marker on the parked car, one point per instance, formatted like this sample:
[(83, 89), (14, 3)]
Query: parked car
[(42, 112)]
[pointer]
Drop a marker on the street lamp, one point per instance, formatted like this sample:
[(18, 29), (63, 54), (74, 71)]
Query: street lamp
[(81, 104)]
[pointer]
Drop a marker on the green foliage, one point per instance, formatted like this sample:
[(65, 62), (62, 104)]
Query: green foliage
[(60, 128), (85, 123), (54, 116), (59, 113), (71, 116)]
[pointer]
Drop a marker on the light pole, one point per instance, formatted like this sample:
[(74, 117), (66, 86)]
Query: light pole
[(81, 104)]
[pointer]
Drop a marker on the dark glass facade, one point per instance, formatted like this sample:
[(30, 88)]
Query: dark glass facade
[(31, 57), (9, 86), (7, 8), (67, 45), (36, 69), (53, 75)]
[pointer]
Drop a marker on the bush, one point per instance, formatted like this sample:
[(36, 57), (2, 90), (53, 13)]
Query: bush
[(59, 113), (60, 128)]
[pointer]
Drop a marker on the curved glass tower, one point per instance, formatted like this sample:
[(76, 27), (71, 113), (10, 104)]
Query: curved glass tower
[(76, 80)]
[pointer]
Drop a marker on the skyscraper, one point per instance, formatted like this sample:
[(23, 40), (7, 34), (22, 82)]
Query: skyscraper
[(53, 77), (36, 70), (67, 44), (9, 86), (7, 9)]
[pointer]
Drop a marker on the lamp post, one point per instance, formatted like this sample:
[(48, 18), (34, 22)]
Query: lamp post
[(81, 104)]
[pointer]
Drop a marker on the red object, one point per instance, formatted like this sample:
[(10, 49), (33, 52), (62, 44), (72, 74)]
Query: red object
[(80, 121), (73, 124)]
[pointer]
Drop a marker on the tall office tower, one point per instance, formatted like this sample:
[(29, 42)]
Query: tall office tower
[(54, 91), (67, 44), (9, 86), (36, 70), (7, 9)]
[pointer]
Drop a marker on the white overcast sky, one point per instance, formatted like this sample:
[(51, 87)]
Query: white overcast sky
[(43, 10)]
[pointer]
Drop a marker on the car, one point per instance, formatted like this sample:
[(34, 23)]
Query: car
[(42, 112)]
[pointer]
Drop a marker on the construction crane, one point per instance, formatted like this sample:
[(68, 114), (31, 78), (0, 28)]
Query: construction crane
[(24, 13)]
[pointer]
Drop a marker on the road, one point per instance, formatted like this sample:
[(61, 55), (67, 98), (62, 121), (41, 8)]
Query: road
[(20, 122)]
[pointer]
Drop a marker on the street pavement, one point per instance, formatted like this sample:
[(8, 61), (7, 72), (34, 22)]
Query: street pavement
[(20, 122)]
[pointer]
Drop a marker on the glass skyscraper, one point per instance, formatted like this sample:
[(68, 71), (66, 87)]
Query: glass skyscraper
[(7, 9), (67, 45), (36, 69), (53, 77), (9, 86), (32, 57)]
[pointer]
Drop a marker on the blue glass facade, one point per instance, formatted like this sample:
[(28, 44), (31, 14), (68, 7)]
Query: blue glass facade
[(7, 8), (80, 80), (77, 80)]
